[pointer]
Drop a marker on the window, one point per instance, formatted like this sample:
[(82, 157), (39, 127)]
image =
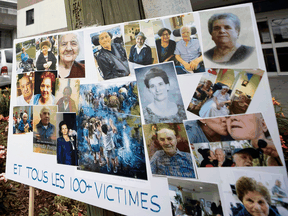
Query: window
[(30, 17), (9, 56)]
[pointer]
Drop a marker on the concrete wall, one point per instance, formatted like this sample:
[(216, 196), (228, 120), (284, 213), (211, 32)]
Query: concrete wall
[(48, 17)]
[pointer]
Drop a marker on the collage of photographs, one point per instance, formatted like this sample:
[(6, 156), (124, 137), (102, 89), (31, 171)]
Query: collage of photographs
[(139, 124)]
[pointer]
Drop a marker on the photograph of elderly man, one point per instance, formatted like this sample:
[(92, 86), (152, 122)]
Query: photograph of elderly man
[(228, 38), (44, 88), (26, 94), (109, 53), (66, 104), (44, 130), (168, 149), (46, 59), (69, 57)]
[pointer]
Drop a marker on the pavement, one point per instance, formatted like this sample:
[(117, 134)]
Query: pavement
[(279, 90)]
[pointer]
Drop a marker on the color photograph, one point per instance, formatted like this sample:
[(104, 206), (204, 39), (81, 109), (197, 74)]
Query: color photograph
[(177, 40), (168, 150), (25, 88), (26, 56), (160, 94), (223, 92), (22, 119), (109, 54)]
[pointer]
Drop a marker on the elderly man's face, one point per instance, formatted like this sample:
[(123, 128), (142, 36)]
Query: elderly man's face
[(68, 48), (246, 127), (256, 204), (105, 40), (139, 41), (220, 155), (66, 94), (45, 117), (25, 87), (25, 117), (186, 33), (168, 141), (224, 32), (46, 88), (243, 159)]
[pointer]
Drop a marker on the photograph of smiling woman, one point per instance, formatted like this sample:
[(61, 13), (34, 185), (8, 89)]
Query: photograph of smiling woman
[(228, 38), (160, 94)]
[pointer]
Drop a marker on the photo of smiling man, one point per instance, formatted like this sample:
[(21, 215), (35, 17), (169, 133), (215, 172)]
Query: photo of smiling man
[(228, 38), (160, 94), (168, 149), (26, 85)]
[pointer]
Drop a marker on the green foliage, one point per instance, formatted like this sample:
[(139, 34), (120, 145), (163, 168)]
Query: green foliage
[(18, 47), (5, 101)]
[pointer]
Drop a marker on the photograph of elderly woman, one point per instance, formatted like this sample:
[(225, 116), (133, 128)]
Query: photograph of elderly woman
[(109, 54), (168, 150), (228, 38), (46, 53), (223, 92), (177, 40), (191, 197), (140, 45), (237, 153), (66, 132), (71, 55), (26, 56), (160, 95), (250, 127), (254, 193), (22, 119)]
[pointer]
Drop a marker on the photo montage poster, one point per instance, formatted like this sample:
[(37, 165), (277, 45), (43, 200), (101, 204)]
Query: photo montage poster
[(148, 117)]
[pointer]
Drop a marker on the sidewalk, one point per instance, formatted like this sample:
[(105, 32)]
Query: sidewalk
[(279, 90)]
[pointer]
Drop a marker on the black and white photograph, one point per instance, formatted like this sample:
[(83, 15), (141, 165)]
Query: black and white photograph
[(160, 95), (168, 150), (191, 197), (66, 133), (71, 55), (109, 54), (228, 39), (177, 40)]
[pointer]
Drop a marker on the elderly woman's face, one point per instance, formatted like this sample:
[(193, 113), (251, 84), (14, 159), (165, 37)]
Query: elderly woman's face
[(105, 40), (224, 32), (64, 129), (256, 204), (45, 50), (245, 127), (165, 36), (224, 90), (46, 88), (68, 48), (139, 41), (158, 88), (218, 125)]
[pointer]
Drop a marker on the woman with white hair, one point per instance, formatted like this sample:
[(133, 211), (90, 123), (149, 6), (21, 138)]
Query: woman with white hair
[(46, 60), (140, 53), (216, 106)]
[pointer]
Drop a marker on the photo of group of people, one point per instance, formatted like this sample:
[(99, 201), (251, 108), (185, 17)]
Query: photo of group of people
[(222, 92), (191, 197), (22, 119), (110, 137), (254, 193), (64, 53)]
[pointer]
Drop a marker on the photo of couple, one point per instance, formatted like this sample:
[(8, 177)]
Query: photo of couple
[(250, 127)]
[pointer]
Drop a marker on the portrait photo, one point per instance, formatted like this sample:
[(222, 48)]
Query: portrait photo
[(44, 92), (192, 197), (250, 127), (160, 94), (26, 56), (111, 97), (109, 54), (47, 53), (140, 45), (111, 143), (177, 40), (223, 92), (25, 88), (254, 193), (228, 38), (71, 55), (22, 119), (168, 150), (67, 94), (66, 133), (44, 129)]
